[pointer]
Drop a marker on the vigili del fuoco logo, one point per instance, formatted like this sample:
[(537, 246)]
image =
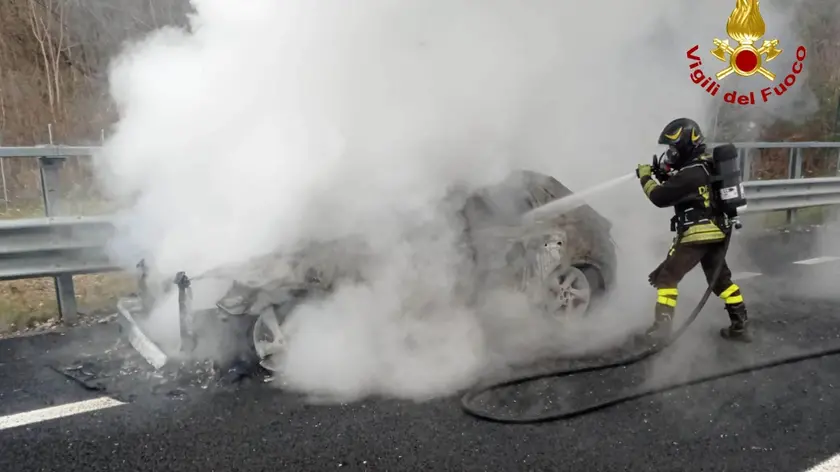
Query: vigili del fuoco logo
[(745, 27)]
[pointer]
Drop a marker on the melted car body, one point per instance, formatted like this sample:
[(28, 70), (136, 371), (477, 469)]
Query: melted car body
[(563, 262)]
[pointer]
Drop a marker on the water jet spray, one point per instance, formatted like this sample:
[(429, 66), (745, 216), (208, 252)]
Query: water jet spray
[(573, 201)]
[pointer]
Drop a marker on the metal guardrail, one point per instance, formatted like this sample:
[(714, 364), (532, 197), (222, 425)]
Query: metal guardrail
[(747, 151), (772, 195), (48, 151), (61, 247), (58, 248)]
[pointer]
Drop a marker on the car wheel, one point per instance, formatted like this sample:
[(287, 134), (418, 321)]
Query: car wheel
[(570, 291), (270, 341)]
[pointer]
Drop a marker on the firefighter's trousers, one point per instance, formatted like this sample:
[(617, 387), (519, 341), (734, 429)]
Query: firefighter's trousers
[(680, 260)]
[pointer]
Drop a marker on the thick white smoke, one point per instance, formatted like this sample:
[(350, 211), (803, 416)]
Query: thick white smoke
[(271, 123)]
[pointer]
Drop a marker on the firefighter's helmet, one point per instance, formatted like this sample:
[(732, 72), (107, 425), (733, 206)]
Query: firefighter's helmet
[(684, 140)]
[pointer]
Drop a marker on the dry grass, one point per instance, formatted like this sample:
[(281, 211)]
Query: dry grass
[(803, 216), (27, 303), (34, 208)]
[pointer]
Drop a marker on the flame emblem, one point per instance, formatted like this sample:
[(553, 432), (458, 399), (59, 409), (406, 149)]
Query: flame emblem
[(746, 26)]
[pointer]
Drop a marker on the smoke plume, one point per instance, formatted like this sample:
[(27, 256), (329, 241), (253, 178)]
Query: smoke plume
[(266, 124)]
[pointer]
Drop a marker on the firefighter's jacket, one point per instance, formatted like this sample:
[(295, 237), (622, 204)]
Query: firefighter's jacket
[(689, 192)]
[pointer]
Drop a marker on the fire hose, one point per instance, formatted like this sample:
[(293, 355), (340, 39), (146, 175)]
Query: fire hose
[(470, 396)]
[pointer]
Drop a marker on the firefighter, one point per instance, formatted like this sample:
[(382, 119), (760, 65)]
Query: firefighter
[(684, 173)]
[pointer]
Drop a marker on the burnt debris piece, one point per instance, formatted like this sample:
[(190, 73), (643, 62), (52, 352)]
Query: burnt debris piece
[(221, 333), (185, 313)]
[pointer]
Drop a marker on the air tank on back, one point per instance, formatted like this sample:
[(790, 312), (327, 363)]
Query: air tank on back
[(727, 184)]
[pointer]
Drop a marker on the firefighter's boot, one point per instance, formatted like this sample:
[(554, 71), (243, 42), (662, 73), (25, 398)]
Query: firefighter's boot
[(738, 329), (662, 325)]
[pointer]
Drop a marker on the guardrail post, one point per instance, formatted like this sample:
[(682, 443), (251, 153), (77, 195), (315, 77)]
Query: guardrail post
[(3, 174), (50, 189), (794, 172), (746, 163), (65, 293), (837, 170)]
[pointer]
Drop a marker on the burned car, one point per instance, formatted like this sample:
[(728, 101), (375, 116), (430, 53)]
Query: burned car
[(563, 258)]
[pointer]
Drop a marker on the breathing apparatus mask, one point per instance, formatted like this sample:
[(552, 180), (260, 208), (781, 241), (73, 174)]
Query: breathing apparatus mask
[(665, 162)]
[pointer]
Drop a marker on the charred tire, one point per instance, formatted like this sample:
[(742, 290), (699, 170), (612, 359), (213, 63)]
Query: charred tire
[(571, 291), (596, 281)]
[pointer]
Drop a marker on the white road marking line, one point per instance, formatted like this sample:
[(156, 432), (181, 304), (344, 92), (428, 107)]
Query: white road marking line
[(830, 465), (745, 275), (818, 260), (56, 412)]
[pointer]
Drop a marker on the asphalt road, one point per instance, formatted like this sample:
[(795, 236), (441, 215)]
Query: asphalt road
[(781, 419)]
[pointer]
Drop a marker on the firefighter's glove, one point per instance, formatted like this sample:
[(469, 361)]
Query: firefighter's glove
[(644, 170), (652, 277)]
